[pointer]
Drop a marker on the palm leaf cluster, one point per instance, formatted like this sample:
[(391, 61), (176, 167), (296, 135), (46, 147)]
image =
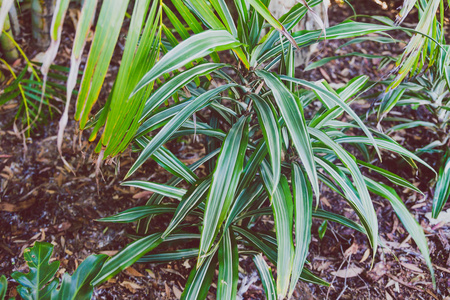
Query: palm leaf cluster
[(264, 155)]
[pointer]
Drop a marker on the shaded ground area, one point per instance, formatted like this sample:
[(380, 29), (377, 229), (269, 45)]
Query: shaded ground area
[(42, 201)]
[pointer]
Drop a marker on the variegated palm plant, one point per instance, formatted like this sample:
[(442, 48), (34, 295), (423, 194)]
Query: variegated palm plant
[(263, 155)]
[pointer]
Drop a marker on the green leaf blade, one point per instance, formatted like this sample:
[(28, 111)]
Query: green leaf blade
[(224, 183)]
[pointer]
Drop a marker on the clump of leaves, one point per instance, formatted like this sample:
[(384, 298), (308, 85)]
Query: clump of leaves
[(430, 90), (39, 282), (264, 156)]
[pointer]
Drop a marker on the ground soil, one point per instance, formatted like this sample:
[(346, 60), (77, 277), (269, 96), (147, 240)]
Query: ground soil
[(40, 200)]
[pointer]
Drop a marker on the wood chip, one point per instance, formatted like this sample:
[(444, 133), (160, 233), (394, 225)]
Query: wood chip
[(10, 207)]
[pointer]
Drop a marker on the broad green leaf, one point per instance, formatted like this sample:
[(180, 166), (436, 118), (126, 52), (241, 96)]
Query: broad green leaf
[(272, 134), (126, 257), (303, 198), (78, 286), (292, 113), (224, 183), (442, 190), (195, 195), (199, 281), (322, 229), (228, 267), (167, 131), (35, 283), (411, 225), (3, 287), (163, 189), (283, 213), (196, 46), (266, 277)]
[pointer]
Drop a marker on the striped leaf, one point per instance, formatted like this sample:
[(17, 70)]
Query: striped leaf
[(442, 190), (195, 195), (333, 97), (228, 267), (292, 114), (303, 198), (169, 256), (224, 183), (139, 212), (272, 134), (411, 225), (126, 257), (175, 84), (390, 176), (363, 200), (266, 277), (265, 13), (199, 281), (196, 46), (283, 213), (167, 131), (162, 189)]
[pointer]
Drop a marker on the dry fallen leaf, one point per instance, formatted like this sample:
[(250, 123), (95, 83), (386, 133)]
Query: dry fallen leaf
[(378, 271), (133, 272), (142, 194), (109, 252), (412, 267), (131, 286), (353, 249), (168, 293), (176, 292), (348, 273), (365, 256)]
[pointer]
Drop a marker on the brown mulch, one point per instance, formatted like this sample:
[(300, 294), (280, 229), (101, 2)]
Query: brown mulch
[(40, 200)]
